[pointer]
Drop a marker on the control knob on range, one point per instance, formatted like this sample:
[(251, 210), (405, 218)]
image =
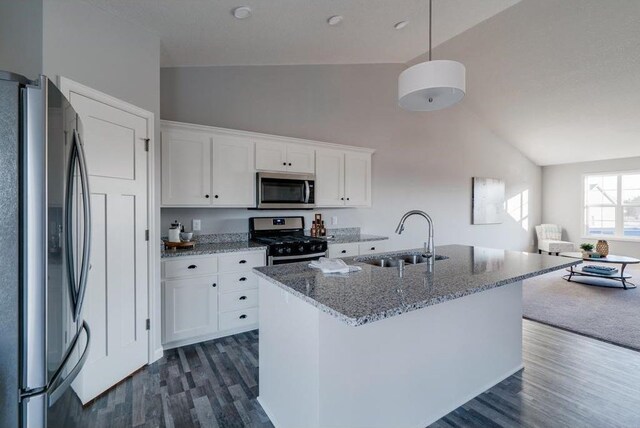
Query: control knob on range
[(301, 249), (288, 250), (280, 250)]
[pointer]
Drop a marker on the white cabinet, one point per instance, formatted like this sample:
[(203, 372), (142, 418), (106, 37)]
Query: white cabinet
[(233, 175), (205, 297), (343, 178), (329, 178), (186, 168), (285, 157), (352, 249), (190, 308), (205, 169)]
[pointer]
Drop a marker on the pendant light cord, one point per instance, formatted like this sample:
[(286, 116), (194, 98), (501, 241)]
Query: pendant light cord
[(430, 26)]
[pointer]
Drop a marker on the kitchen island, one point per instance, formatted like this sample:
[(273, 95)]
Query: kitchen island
[(377, 348)]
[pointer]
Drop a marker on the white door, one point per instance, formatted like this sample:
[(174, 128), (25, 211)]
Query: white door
[(186, 168), (116, 301), (271, 156), (234, 178), (190, 308), (301, 158), (357, 179), (329, 190)]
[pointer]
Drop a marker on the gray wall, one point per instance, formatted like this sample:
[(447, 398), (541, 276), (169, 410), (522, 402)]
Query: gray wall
[(562, 198), (21, 37), (423, 160)]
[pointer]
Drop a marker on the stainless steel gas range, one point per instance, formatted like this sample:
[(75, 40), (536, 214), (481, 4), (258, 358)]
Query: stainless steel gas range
[(285, 239)]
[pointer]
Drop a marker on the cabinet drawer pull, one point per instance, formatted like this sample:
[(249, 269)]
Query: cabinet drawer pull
[(348, 199), (243, 298), (206, 196), (344, 251), (243, 316), (244, 278), (192, 267), (289, 163), (214, 285), (242, 262), (373, 248), (284, 163)]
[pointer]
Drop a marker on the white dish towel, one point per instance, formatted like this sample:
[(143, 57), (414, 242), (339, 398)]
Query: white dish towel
[(333, 266)]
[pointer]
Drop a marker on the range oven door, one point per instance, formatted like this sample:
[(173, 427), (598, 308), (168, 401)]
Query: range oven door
[(280, 260), (285, 191)]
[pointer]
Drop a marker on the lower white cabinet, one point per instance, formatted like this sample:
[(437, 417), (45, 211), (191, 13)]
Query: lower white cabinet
[(205, 297), (352, 249)]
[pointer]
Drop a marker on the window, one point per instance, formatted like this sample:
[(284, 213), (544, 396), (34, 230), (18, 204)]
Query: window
[(612, 205)]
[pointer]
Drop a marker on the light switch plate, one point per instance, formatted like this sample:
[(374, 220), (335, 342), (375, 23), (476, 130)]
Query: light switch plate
[(196, 225), (334, 220)]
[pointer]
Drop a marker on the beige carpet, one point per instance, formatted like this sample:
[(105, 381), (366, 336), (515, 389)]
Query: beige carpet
[(609, 314)]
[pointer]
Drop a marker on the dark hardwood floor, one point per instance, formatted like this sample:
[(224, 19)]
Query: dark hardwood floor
[(568, 381)]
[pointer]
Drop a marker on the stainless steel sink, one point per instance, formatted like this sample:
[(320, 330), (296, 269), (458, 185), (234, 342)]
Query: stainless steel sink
[(409, 259)]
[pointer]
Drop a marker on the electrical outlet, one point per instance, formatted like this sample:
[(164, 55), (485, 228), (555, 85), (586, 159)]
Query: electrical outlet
[(196, 225), (334, 220)]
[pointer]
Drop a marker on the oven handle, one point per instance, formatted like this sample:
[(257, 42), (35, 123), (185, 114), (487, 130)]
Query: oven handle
[(307, 191), (298, 257)]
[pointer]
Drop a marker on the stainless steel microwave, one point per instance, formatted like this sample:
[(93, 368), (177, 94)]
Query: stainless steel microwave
[(279, 191)]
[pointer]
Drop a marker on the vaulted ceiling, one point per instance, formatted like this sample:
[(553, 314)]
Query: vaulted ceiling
[(204, 32)]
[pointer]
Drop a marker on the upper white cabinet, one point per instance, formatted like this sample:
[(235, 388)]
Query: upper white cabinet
[(186, 168), (203, 166), (234, 178), (285, 157), (343, 178)]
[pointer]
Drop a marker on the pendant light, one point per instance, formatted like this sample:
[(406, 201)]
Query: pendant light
[(431, 85)]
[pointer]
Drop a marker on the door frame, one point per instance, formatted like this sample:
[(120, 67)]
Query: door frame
[(67, 86)]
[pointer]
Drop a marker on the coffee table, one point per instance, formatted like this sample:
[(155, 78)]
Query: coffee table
[(618, 277)]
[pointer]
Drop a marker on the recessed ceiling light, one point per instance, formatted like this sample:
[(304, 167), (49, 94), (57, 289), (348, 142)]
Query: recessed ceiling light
[(242, 12), (335, 20), (400, 25)]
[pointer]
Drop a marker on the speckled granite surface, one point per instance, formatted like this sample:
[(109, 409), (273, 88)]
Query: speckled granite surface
[(376, 293), (213, 248), (346, 239)]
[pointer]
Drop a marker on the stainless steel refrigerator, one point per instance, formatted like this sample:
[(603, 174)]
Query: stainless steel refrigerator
[(45, 241)]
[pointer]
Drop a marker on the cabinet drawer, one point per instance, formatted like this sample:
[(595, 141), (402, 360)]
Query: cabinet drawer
[(190, 267), (343, 250), (241, 261), (238, 281), (372, 247), (238, 300), (236, 319)]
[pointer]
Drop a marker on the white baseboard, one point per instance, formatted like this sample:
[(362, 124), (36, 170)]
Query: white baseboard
[(216, 335)]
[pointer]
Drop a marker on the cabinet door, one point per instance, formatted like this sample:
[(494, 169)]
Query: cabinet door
[(233, 173), (329, 178), (357, 181), (271, 156), (301, 158), (190, 308), (186, 168)]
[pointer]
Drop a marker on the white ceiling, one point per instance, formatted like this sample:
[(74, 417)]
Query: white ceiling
[(203, 32), (560, 80)]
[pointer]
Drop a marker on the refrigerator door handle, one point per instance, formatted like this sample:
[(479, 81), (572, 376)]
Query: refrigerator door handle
[(86, 206), (56, 386), (71, 269)]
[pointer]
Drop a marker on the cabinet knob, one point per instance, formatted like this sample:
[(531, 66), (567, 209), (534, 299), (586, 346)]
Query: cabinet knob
[(347, 198), (289, 163), (342, 199), (243, 297), (284, 163), (214, 285), (206, 196), (192, 267), (242, 262), (216, 196), (243, 278), (243, 316), (344, 251)]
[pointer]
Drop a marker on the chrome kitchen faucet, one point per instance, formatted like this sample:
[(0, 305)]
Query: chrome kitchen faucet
[(428, 246)]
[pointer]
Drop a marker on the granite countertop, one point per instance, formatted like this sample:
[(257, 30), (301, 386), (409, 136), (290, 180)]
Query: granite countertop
[(213, 248), (376, 293), (347, 239)]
